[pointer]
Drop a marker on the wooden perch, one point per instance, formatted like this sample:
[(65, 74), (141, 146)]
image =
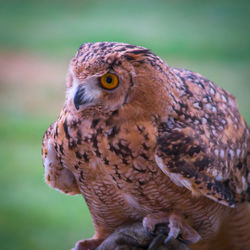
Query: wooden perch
[(135, 237)]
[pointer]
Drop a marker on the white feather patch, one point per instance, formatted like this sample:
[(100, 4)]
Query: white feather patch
[(178, 179), (50, 158), (72, 90)]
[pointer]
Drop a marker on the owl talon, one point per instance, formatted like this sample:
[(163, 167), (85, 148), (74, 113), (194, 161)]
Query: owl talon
[(173, 225), (169, 243), (168, 239)]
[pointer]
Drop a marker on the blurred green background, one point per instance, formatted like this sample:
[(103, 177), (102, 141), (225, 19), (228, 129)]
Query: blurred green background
[(37, 40)]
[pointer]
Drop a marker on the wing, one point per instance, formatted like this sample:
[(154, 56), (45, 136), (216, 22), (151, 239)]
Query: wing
[(205, 150), (56, 174)]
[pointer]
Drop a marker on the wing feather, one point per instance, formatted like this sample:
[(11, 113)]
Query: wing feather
[(56, 174), (188, 162)]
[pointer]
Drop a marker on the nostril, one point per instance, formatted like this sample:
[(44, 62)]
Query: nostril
[(48, 178)]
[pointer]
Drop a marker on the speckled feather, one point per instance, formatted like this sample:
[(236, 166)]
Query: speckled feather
[(165, 139)]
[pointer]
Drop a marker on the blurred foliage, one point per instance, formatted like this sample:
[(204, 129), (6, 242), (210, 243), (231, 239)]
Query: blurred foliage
[(210, 37), (178, 28)]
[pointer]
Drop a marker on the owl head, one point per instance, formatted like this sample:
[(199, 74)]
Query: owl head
[(111, 76)]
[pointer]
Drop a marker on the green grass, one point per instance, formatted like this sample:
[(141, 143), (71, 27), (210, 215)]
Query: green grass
[(210, 37)]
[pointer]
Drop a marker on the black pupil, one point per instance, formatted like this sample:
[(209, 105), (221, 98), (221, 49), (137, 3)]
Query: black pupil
[(109, 79)]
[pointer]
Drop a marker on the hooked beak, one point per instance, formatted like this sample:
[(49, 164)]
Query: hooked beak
[(80, 97)]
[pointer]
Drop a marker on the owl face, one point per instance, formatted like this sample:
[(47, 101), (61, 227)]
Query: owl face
[(112, 75), (106, 89)]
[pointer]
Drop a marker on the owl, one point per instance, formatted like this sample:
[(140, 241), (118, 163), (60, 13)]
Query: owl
[(143, 141)]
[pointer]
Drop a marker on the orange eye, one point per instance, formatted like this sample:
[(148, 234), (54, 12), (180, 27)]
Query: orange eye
[(109, 81)]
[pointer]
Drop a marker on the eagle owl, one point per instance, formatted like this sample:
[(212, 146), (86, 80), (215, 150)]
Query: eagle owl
[(142, 141)]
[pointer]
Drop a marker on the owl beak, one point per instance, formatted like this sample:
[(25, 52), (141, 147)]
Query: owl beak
[(80, 97)]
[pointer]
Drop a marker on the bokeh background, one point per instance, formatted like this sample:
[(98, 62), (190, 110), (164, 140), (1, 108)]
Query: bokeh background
[(37, 40)]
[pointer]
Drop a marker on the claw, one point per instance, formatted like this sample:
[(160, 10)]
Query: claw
[(174, 230), (170, 237), (173, 226)]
